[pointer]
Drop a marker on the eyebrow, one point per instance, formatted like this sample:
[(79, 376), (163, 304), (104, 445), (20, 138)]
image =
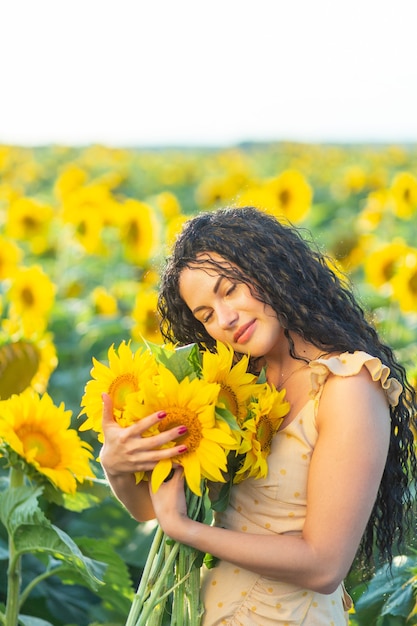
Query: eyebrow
[(215, 290)]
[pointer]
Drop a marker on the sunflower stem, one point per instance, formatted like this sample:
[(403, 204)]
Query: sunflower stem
[(159, 587), (193, 583), (143, 590), (194, 595), (14, 573), (170, 570), (179, 599)]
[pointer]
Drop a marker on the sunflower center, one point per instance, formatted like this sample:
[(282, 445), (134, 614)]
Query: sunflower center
[(30, 224), (228, 397), (47, 455), (388, 270), (284, 197), (26, 296), (121, 387), (412, 283), (181, 416), (133, 234), (264, 433)]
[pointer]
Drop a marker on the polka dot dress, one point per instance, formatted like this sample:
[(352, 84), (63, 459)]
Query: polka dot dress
[(277, 504)]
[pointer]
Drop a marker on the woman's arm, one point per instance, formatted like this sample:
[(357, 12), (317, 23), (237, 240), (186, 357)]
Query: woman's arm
[(125, 452), (344, 476)]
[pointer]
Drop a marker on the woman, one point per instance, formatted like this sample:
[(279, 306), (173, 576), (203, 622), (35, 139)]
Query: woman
[(339, 466)]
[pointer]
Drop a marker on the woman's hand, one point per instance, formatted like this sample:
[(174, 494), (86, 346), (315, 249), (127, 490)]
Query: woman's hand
[(170, 505), (126, 451)]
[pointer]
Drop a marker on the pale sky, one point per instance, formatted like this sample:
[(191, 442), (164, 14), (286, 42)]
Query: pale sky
[(183, 72)]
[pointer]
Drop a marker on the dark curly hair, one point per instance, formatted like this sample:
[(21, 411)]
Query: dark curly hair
[(286, 271)]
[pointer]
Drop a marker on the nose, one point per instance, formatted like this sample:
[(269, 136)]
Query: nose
[(226, 317)]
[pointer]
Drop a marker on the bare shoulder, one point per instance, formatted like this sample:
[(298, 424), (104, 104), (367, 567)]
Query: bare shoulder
[(356, 398)]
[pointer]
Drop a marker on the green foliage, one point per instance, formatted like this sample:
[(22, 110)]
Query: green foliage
[(183, 361), (79, 579), (390, 597)]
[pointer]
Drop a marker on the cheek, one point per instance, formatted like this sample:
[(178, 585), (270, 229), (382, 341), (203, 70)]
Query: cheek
[(215, 332)]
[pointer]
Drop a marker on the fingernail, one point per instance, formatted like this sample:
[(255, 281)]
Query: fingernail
[(182, 449), (161, 414), (182, 430)]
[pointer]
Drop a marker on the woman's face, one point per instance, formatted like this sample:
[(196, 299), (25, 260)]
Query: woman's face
[(228, 310)]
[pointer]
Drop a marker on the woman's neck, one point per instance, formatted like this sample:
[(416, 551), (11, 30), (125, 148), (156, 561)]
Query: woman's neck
[(281, 366)]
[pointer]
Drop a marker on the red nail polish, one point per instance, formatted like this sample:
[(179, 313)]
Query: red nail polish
[(182, 449), (161, 414), (182, 430)]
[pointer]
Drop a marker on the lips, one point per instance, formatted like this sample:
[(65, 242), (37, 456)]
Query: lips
[(240, 333)]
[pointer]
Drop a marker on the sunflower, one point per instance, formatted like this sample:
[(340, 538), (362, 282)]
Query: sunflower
[(31, 294), (404, 192), (377, 206), (293, 195), (69, 180), (354, 179), (191, 403), (104, 302), (10, 257), (215, 190), (169, 204), (88, 209), (29, 220), (139, 231), (173, 227), (404, 283), (267, 412), (381, 265), (123, 376), (39, 432), (144, 315), (15, 342), (88, 200), (237, 385)]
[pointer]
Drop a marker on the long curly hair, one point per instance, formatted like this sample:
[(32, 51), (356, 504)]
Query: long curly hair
[(286, 271)]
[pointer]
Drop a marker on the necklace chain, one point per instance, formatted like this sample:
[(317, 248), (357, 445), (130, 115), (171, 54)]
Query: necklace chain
[(282, 383)]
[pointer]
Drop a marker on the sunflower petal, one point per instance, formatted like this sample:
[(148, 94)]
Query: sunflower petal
[(159, 473)]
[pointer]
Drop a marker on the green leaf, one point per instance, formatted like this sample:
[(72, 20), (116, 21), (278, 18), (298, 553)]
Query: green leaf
[(262, 376), (20, 506), (210, 561), (19, 362), (222, 501), (27, 620), (389, 593), (59, 545), (89, 493), (401, 602), (228, 417), (118, 588), (183, 361), (32, 532)]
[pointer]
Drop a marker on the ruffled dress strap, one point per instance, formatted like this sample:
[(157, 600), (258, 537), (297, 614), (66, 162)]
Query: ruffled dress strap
[(349, 364)]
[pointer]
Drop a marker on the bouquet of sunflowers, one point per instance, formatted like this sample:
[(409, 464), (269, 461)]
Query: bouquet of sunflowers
[(231, 416)]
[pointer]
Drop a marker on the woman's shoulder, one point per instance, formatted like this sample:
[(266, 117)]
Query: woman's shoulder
[(355, 364)]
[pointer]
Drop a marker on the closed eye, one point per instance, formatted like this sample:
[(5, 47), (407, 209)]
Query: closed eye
[(231, 289), (207, 317)]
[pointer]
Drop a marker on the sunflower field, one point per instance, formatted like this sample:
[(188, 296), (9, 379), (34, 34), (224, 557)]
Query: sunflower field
[(83, 235)]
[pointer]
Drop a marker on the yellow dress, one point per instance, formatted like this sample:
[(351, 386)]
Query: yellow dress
[(277, 504)]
